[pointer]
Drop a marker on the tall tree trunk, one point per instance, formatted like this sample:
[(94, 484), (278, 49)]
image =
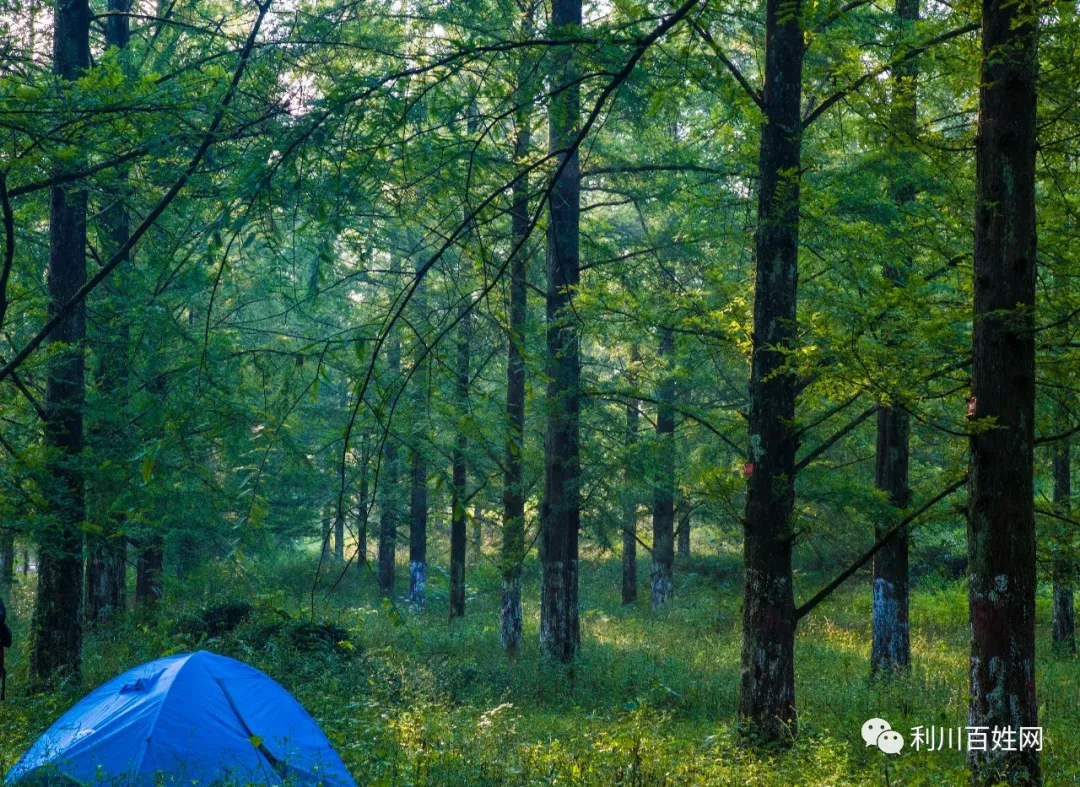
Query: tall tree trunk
[(630, 514), (478, 532), (57, 631), (418, 514), (1063, 618), (339, 539), (390, 513), (513, 542), (105, 559), (560, 516), (663, 549), (418, 498), (327, 522), (630, 498), (149, 573), (682, 533), (7, 558), (1001, 517), (459, 493), (106, 565), (767, 681), (891, 642), (364, 508)]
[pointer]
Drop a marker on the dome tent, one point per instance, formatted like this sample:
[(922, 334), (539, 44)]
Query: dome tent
[(192, 719)]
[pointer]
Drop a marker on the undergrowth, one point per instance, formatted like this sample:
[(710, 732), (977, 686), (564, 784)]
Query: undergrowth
[(410, 698)]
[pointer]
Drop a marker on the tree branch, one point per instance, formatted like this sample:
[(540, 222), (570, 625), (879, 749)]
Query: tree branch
[(866, 556), (837, 437), (122, 253), (730, 66), (77, 174), (908, 55)]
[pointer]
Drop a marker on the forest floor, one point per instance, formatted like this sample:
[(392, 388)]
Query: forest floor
[(415, 699)]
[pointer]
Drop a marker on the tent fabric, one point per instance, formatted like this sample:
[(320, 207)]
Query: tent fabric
[(193, 719)]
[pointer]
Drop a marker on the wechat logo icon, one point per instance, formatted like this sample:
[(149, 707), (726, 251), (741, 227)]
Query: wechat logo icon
[(878, 732)]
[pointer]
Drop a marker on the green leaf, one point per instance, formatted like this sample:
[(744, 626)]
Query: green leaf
[(146, 468)]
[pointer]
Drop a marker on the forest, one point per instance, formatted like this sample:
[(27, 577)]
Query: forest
[(543, 392)]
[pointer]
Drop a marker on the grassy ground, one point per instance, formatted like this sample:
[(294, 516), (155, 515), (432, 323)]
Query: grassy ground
[(650, 701)]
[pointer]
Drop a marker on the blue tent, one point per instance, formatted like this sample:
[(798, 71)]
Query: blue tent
[(195, 718)]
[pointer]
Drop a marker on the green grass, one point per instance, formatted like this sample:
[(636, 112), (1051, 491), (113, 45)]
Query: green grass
[(650, 701)]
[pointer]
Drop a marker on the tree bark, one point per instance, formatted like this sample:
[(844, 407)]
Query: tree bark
[(630, 514), (56, 625), (663, 550), (1001, 517), (560, 516), (767, 680), (459, 492), (149, 570), (1063, 619)]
